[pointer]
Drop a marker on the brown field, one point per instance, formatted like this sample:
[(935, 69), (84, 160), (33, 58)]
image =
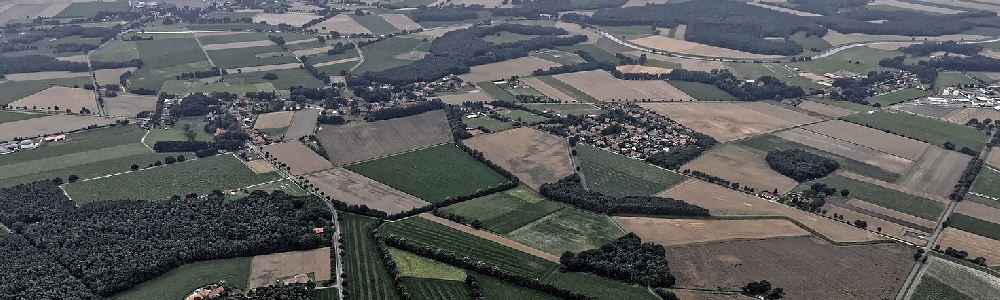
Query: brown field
[(976, 245), (339, 61), (401, 22), (546, 89), (349, 144), (128, 105), (274, 120), (265, 269), (21, 11), (806, 267), (303, 124), (872, 138), (936, 172), (993, 159), (260, 166), (341, 23), (266, 68), (724, 121), (533, 156), (490, 236), (643, 69), (914, 6), (828, 110), (739, 165), (45, 75), (978, 211), (663, 43), (673, 232), (294, 19), (48, 125), (506, 69), (602, 86), (111, 76), (709, 295), (298, 157), (779, 112), (75, 58), (311, 51), (355, 189), (872, 157), (888, 228), (721, 201), (963, 116), (891, 213), (686, 63), (238, 45), (474, 96), (837, 39), (63, 97)]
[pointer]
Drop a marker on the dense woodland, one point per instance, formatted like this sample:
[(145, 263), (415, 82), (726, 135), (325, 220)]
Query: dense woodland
[(569, 190), (800, 165), (282, 292), (925, 49), (27, 273), (627, 259), (764, 88)]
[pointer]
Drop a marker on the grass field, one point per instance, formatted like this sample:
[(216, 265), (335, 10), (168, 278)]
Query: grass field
[(568, 229), (701, 91), (183, 87), (251, 57), (952, 79), (15, 90), (627, 30), (491, 124), (286, 78), (598, 287), (559, 57), (843, 104), (432, 174), (933, 289), (176, 133), (116, 50), (567, 89), (375, 23), (194, 176), (233, 38), (494, 289), (766, 143), (975, 225), (987, 183), (598, 53), (162, 53), (618, 175), (180, 282), (412, 265), (382, 55), (891, 199), (523, 116), (897, 97), (505, 211), (284, 186), (827, 65), (367, 277), (496, 92), (11, 116), (925, 129), (436, 289), (429, 233), (89, 9), (864, 55)]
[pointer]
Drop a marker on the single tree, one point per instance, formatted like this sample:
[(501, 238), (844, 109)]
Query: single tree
[(73, 178)]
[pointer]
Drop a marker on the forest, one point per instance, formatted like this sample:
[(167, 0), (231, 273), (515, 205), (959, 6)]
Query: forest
[(925, 49), (533, 9), (627, 259), (977, 63), (764, 88), (569, 190), (27, 273), (800, 165)]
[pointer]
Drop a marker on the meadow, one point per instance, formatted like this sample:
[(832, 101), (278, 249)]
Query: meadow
[(701, 91), (494, 289), (412, 265), (505, 211), (975, 225), (85, 164), (179, 282), (176, 132), (286, 78), (567, 89), (933, 289), (436, 289), (162, 53), (884, 197), (496, 92), (367, 277), (953, 79), (618, 175), (11, 116), (15, 90), (600, 288), (922, 128), (154, 78), (568, 229), (89, 9), (491, 124), (897, 97)]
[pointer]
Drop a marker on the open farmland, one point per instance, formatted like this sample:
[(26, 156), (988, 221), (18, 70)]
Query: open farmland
[(299, 158), (673, 232), (743, 166), (765, 143), (13, 116), (505, 211), (412, 265), (884, 196), (974, 225), (179, 282), (401, 22), (546, 89), (993, 159), (260, 166), (976, 245), (876, 139), (44, 75), (604, 87), (266, 269), (15, 90), (368, 278), (274, 120), (128, 105), (291, 18), (251, 57), (476, 95), (505, 69), (896, 97), (495, 289), (816, 270), (303, 124), (882, 224), (701, 91), (111, 76), (354, 189), (162, 53), (828, 110), (341, 23), (687, 64), (353, 143), (618, 176), (238, 45), (533, 156), (978, 211), (924, 129), (962, 116), (48, 125), (730, 121), (936, 172), (61, 97), (660, 42), (964, 282), (568, 229), (436, 289), (643, 69), (888, 162)]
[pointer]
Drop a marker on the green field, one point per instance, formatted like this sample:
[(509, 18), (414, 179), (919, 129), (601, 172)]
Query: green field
[(232, 15), (522, 116), (567, 89), (567, 108), (15, 90), (367, 277), (286, 78), (601, 288), (176, 132), (12, 116), (154, 78), (559, 57), (494, 289), (987, 183), (116, 50), (233, 38), (617, 175), (375, 23), (327, 294), (412, 265), (507, 37), (829, 65), (432, 174), (231, 26), (180, 282), (193, 176), (897, 97), (568, 229), (89, 9), (162, 53), (482, 16), (884, 197), (496, 92), (382, 55), (974, 225), (933, 289), (702, 91), (809, 42), (183, 87), (251, 57), (335, 69), (283, 185), (436, 289), (428, 233), (864, 55), (922, 128), (491, 124), (505, 211), (598, 53), (952, 79), (766, 143)]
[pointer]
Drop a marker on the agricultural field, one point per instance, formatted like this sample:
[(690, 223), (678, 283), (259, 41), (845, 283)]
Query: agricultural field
[(382, 55), (162, 53), (533, 156), (559, 57), (273, 120), (742, 166), (617, 175), (473, 95), (568, 229), (294, 19), (15, 90), (267, 269), (825, 109), (491, 124), (193, 176), (731, 121), (401, 22), (924, 129), (763, 144), (663, 43), (976, 245), (13, 116), (896, 97), (354, 143), (884, 197), (987, 183), (643, 69), (496, 92), (599, 287), (284, 186), (355, 189), (976, 226), (505, 211), (129, 105), (574, 94), (89, 9), (298, 157), (154, 79), (936, 172), (494, 289), (945, 279), (179, 282), (52, 124), (546, 89), (59, 98), (367, 276), (872, 138), (374, 23), (412, 265), (673, 232), (963, 115), (436, 289), (251, 57), (604, 87), (176, 132), (505, 69), (701, 91), (342, 23), (953, 79), (888, 162), (286, 78), (111, 76)]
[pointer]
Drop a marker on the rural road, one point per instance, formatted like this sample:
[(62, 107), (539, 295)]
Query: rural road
[(361, 56)]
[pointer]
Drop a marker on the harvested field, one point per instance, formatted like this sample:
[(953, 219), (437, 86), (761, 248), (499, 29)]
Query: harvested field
[(784, 10), (110, 76), (299, 158), (687, 64), (303, 124), (491, 237), (505, 69), (779, 112), (721, 201), (976, 245), (310, 51), (993, 159), (971, 283), (936, 172), (892, 186), (285, 66), (266, 269), (604, 87), (828, 110), (401, 22), (724, 121), (18, 11), (128, 105), (872, 138), (978, 211), (238, 45), (874, 222), (546, 89), (354, 189), (334, 62), (294, 19), (643, 69), (573, 29), (740, 165), (888, 162), (476, 95), (349, 144), (63, 97), (274, 120), (533, 156), (806, 267), (963, 116), (260, 166), (914, 6), (45, 75), (673, 232), (341, 23), (663, 43)]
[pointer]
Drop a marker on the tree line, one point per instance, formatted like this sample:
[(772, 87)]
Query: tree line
[(534, 9), (800, 165), (626, 259), (569, 190), (925, 49)]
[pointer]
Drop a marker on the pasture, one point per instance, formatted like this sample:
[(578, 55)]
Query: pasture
[(701, 91), (731, 121), (342, 23), (52, 124), (953, 79), (433, 174), (111, 76), (374, 23), (495, 289), (286, 78), (559, 57), (568, 229), (382, 55), (505, 211), (976, 245), (360, 142), (872, 138), (491, 124), (59, 98), (154, 79), (884, 197), (924, 129), (179, 282), (599, 287), (355, 189), (496, 92), (987, 183), (896, 97), (742, 166), (265, 270), (660, 42), (367, 276), (533, 156), (673, 232), (162, 53), (618, 176), (298, 157), (15, 90), (176, 132), (84, 163), (412, 265), (13, 116), (505, 69), (436, 289), (604, 87)]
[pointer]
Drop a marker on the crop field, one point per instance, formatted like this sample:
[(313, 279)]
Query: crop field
[(559, 57), (743, 166), (48, 125), (429, 233), (937, 112), (18, 169), (179, 282), (352, 188), (936, 172), (887, 226), (382, 55), (61, 97), (896, 97), (976, 226), (925, 129), (162, 53), (238, 45), (617, 175), (348, 144), (505, 69), (978, 211), (194, 176), (660, 42), (599, 287), (701, 91), (496, 92), (884, 161), (473, 95), (643, 69), (892, 214), (176, 132), (266, 269), (976, 245), (930, 288), (825, 109), (15, 90), (89, 9), (494, 289), (568, 229), (300, 158), (367, 277), (374, 23), (274, 120), (436, 289), (885, 197), (673, 232), (491, 124), (260, 166), (111, 76), (969, 282), (291, 18), (732, 264), (342, 23), (128, 105), (533, 156), (872, 138), (604, 87), (44, 75), (546, 89), (12, 116), (412, 265), (401, 22), (687, 64), (78, 142), (962, 116), (155, 78), (251, 57), (763, 144), (505, 211), (286, 78), (575, 94), (730, 121)]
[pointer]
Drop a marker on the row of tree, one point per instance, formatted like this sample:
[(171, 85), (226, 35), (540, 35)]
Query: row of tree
[(569, 190)]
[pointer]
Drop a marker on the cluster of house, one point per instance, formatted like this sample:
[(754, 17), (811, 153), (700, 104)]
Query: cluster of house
[(14, 146), (644, 133)]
